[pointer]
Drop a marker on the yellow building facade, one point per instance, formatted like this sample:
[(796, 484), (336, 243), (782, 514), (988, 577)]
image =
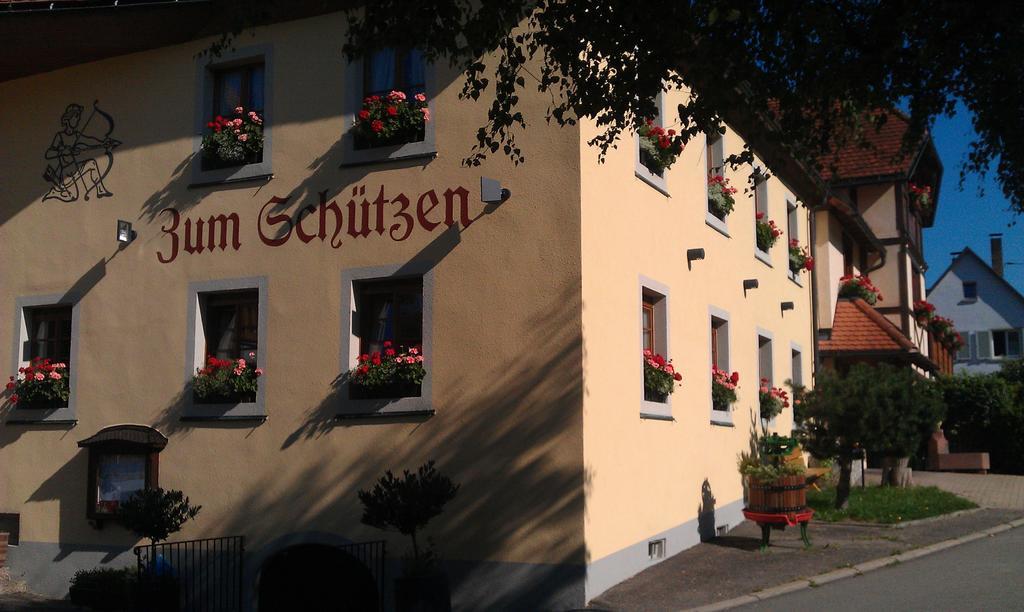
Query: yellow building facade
[(528, 310)]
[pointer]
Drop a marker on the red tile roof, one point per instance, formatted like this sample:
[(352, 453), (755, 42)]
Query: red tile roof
[(858, 327), (881, 156)]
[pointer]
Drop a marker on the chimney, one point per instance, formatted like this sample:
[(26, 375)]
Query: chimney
[(997, 253)]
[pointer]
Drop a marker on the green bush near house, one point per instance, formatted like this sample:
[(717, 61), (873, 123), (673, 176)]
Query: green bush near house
[(104, 588), (985, 413), (886, 505)]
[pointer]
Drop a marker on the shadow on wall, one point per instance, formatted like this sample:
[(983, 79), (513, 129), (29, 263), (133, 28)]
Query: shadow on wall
[(511, 438), (706, 513)]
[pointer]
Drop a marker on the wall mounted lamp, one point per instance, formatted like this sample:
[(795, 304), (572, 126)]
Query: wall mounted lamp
[(750, 283), (491, 191), (787, 306), (694, 254), (125, 233)]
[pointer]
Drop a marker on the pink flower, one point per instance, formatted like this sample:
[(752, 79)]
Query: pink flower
[(410, 360), (238, 122), (420, 97), (238, 131), (398, 360), (39, 376), (396, 95), (414, 351), (55, 376), (239, 110), (259, 372), (239, 371), (668, 368), (426, 113), (243, 137), (241, 363), (60, 366), (648, 353), (419, 358)]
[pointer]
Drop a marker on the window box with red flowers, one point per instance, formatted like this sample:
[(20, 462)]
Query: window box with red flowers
[(945, 333), (924, 312), (659, 147), (773, 400), (660, 377), (391, 120), (859, 287), (42, 384), (233, 141), (799, 257), (767, 233), (723, 388), (226, 381), (921, 199), (394, 373), (720, 196)]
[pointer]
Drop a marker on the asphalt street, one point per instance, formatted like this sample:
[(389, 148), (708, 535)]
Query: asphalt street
[(987, 574)]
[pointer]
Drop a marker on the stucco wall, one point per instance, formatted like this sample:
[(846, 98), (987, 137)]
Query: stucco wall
[(506, 360), (650, 479)]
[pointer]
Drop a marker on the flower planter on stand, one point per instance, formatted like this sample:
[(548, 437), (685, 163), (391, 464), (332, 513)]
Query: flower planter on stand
[(783, 495)]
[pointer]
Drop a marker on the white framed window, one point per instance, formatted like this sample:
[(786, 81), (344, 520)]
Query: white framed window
[(227, 319), (765, 365), (239, 77), (760, 210), (714, 159), (719, 350), (643, 168), (1006, 343), (654, 336), (379, 72), (970, 290), (46, 326), (385, 303), (792, 233)]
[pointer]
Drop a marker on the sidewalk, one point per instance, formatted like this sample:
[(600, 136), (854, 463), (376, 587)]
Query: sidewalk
[(732, 566), (986, 490)]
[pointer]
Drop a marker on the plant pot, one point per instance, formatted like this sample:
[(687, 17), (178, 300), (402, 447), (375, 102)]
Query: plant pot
[(716, 211), (389, 391), (395, 140), (212, 162), (232, 399), (786, 494), (650, 395), (43, 404), (423, 593)]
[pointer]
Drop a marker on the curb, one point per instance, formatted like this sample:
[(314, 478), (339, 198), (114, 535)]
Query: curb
[(857, 570)]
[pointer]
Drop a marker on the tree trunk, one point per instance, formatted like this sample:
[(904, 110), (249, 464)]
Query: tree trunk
[(843, 486), (895, 472)]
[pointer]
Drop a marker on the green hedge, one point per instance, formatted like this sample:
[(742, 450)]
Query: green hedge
[(104, 588), (985, 412)]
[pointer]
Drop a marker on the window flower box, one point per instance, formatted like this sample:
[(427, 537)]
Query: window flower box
[(723, 388), (859, 287), (767, 233), (945, 332), (799, 257), (720, 196), (226, 381), (773, 400), (42, 384), (388, 375), (234, 141), (660, 377), (921, 199), (391, 120), (659, 147)]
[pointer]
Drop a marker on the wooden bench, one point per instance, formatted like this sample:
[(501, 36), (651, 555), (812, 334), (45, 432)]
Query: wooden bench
[(812, 474), (941, 460)]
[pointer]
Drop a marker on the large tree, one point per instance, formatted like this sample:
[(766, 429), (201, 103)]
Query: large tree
[(797, 79)]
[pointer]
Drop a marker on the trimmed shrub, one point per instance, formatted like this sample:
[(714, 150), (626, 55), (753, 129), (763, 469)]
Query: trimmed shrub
[(104, 588), (984, 412)]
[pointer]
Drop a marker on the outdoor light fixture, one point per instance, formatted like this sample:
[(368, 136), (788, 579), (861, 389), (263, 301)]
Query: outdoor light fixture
[(491, 191), (787, 306), (694, 255), (750, 283), (125, 233)]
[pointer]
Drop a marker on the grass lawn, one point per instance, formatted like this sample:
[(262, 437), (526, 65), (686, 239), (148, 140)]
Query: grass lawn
[(886, 505)]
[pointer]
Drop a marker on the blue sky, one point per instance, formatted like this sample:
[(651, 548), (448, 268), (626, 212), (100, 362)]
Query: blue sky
[(963, 218)]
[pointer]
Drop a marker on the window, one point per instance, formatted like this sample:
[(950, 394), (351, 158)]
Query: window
[(123, 459), (760, 204), (964, 354), (389, 310), (970, 290), (654, 336), (797, 368), (715, 154), (645, 167), (1006, 343), (847, 255), (231, 324), (917, 284), (792, 233), (764, 358), (720, 360), (387, 70), (11, 525), (49, 333), (238, 86)]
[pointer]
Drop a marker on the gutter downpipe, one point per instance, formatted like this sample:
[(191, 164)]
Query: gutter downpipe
[(816, 352)]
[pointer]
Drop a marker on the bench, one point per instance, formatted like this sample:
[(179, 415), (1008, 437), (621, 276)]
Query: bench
[(812, 474), (941, 460)]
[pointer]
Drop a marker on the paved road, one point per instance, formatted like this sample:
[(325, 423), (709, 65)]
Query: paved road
[(984, 575)]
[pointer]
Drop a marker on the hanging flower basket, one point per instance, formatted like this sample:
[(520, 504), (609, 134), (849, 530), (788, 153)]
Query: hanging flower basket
[(924, 312), (659, 147), (921, 199), (390, 120), (720, 196), (799, 257), (233, 141), (773, 400), (226, 381), (767, 232), (391, 374), (723, 388), (660, 377), (41, 384), (859, 287)]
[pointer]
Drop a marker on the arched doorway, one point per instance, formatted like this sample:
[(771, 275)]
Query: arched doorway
[(316, 578)]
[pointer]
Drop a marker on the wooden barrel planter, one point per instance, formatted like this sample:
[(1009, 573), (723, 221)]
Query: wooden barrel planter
[(786, 494)]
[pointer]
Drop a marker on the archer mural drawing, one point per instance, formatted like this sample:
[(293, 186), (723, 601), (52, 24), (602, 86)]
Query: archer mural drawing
[(79, 160)]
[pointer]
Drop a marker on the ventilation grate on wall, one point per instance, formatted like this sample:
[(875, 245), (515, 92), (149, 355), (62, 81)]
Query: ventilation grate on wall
[(656, 549)]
